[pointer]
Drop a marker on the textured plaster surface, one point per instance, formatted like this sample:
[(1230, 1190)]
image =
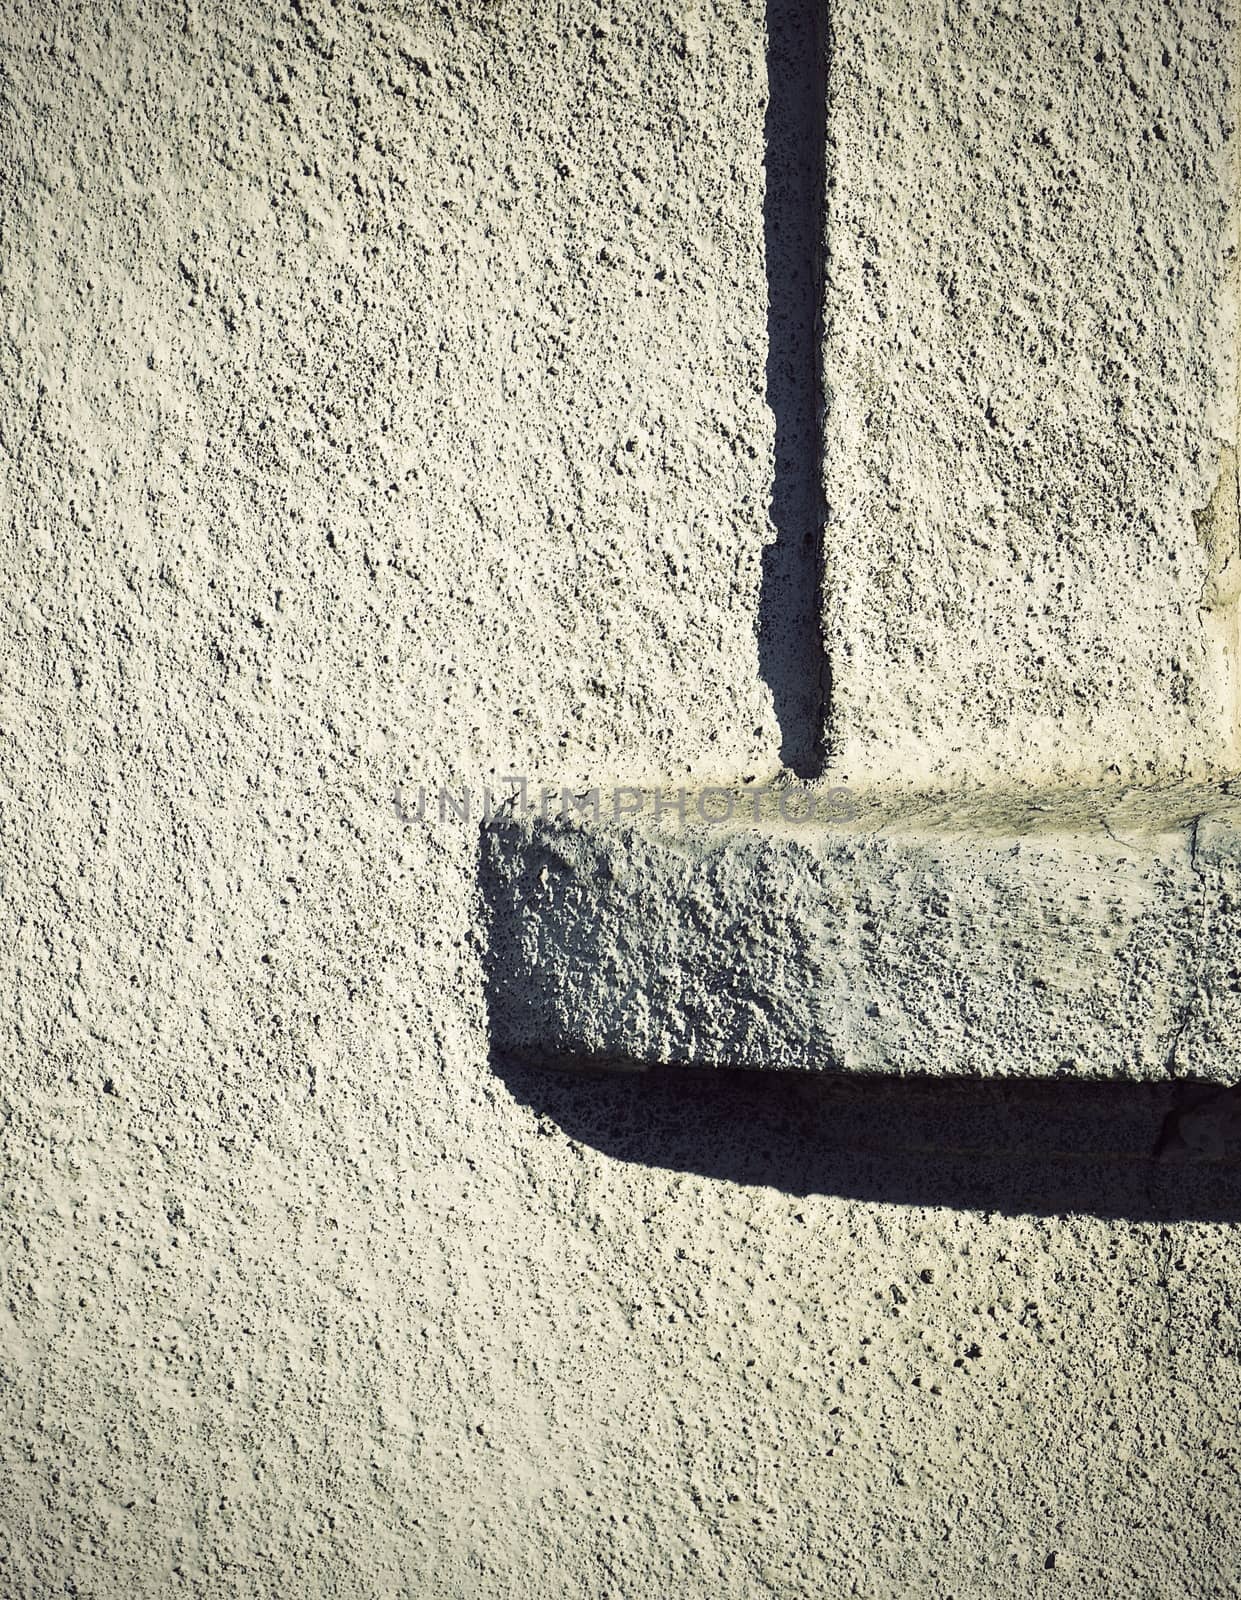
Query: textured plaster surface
[(382, 399), (1030, 382), (1068, 935)]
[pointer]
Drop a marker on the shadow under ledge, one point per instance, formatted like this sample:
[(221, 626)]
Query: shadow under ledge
[(1136, 1151)]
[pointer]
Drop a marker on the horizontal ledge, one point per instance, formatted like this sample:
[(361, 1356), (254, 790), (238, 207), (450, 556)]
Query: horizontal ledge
[(1034, 934)]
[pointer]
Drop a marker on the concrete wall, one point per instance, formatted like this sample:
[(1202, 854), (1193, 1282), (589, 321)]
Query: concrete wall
[(388, 399), (1030, 362)]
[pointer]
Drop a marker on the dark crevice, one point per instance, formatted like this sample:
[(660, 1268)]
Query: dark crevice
[(792, 657)]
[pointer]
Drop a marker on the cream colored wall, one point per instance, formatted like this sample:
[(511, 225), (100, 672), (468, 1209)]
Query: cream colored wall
[(384, 402)]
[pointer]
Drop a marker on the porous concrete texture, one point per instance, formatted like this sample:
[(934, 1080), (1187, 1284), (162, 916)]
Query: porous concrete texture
[(384, 401), (1062, 935), (1030, 383)]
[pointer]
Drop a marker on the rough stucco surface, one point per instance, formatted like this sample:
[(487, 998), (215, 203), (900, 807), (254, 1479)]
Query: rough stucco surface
[(1089, 935), (351, 436), (1030, 369)]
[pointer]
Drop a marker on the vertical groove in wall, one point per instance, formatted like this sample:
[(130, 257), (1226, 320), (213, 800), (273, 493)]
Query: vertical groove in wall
[(823, 60), (791, 624)]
